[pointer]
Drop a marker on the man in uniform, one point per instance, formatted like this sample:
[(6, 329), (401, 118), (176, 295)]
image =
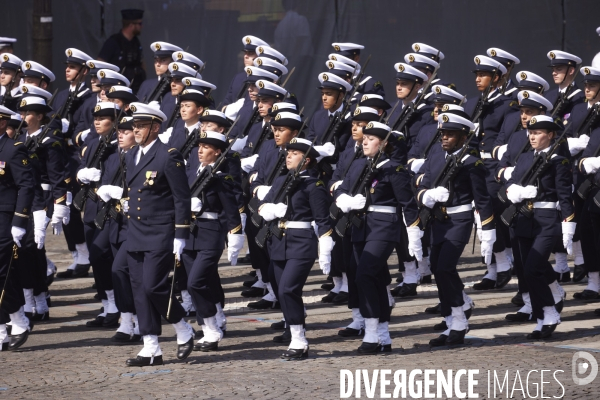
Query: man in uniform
[(125, 50), (567, 94), (149, 89), (159, 222), (6, 44), (10, 76), (16, 197)]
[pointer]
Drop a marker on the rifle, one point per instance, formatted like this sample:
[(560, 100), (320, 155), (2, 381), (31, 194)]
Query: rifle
[(588, 122), (364, 179), (562, 98), (505, 83), (277, 169), (87, 190), (445, 178), (175, 114), (160, 90), (586, 186), (190, 142), (483, 100), (541, 162), (110, 208), (264, 135), (9, 88), (292, 180)]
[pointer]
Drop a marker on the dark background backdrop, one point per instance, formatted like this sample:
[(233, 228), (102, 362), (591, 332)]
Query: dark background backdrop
[(212, 30)]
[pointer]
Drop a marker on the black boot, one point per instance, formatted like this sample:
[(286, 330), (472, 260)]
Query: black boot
[(502, 279)]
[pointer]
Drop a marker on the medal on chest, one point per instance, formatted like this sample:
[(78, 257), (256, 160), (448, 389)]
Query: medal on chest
[(150, 175), (375, 182), (2, 166)]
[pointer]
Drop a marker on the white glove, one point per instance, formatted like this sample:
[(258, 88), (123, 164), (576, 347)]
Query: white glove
[(243, 217), (178, 245), (334, 187), (87, 175), (325, 247), (65, 125), (17, 234), (517, 194), (166, 135), (477, 224), (69, 199), (61, 215), (154, 103), (508, 171), (107, 192), (591, 165), (476, 129), (40, 222), (435, 195), (196, 204), (248, 163), (239, 144), (416, 164), (82, 176), (84, 134), (568, 230), (267, 211), (125, 205), (578, 144), (347, 203), (279, 210), (501, 151), (235, 243), (415, 247), (326, 150), (488, 237), (261, 191)]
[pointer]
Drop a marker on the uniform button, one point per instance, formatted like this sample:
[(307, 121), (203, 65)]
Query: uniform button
[(129, 189), (139, 209), (139, 199), (138, 218), (129, 216), (482, 133), (483, 144), (139, 190)]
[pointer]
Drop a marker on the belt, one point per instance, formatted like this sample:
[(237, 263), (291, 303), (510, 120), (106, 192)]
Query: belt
[(459, 209), (382, 209), (46, 186), (294, 225), (485, 154), (545, 204), (208, 215)]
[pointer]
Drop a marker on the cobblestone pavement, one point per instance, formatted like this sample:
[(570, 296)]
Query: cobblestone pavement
[(63, 359)]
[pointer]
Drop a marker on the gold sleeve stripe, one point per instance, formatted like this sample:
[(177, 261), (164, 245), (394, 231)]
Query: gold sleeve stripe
[(21, 215), (68, 180), (411, 160), (581, 164), (569, 218), (420, 178), (328, 233), (487, 221), (500, 173), (236, 229), (241, 210), (60, 199), (420, 193), (182, 226), (415, 223)]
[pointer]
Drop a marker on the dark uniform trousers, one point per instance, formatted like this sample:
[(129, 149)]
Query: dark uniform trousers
[(203, 281), (372, 275), (518, 262), (31, 266), (589, 225), (291, 276), (74, 231), (13, 297), (259, 257), (350, 262), (101, 257), (121, 279), (444, 259)]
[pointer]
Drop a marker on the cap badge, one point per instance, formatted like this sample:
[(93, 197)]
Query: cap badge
[(532, 121), (325, 77), (294, 140), (180, 56), (6, 57), (417, 47), (277, 117), (132, 108), (123, 120), (248, 71), (97, 108), (525, 94), (91, 64), (336, 47), (552, 55), (259, 61), (411, 58), (24, 89), (260, 50), (157, 46), (206, 113), (247, 40), (333, 58), (523, 75), (101, 74), (445, 107), (69, 52), (112, 89), (261, 84), (357, 111), (445, 118), (203, 135), (23, 103), (369, 125), (586, 71), (175, 67), (27, 65), (330, 64), (438, 90), (493, 53), (477, 60)]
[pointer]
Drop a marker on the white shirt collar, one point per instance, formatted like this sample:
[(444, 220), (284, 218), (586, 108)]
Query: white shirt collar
[(542, 151), (329, 113), (201, 168), (1, 136), (34, 133), (456, 152), (191, 128)]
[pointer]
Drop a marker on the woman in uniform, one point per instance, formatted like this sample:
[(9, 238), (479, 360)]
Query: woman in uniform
[(553, 213), (294, 253), (215, 218), (380, 230)]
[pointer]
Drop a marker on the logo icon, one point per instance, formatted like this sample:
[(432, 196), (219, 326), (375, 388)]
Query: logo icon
[(580, 367)]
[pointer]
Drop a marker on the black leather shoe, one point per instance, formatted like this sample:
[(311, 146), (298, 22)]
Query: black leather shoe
[(327, 286), (29, 314), (40, 317), (250, 282), (295, 354), (517, 299), (434, 310), (254, 292), (502, 279), (426, 279), (456, 337), (384, 348), (469, 312), (351, 332), (518, 317), (123, 338), (438, 341), (408, 290), (244, 260), (485, 284), (368, 348), (208, 346), (285, 337), (5, 346), (562, 277), (329, 297), (547, 330), (263, 304), (277, 326), (19, 340), (81, 271), (579, 273), (184, 350), (140, 361), (253, 272), (95, 323), (340, 298), (395, 291), (586, 295), (65, 274), (441, 326), (111, 320), (535, 335), (49, 279)]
